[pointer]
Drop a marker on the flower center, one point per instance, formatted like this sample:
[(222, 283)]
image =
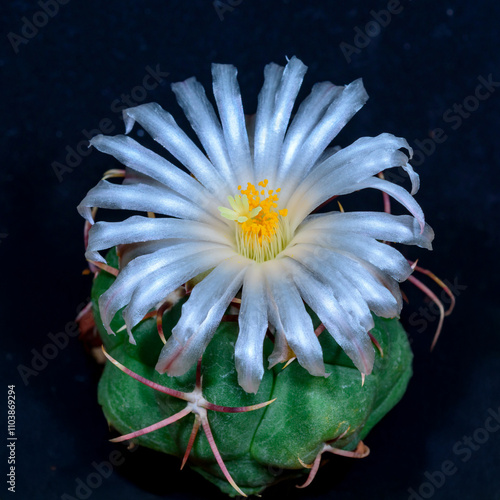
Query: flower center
[(261, 229)]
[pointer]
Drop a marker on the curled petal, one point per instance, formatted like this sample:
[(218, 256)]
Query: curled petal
[(414, 178), (398, 193), (343, 170)]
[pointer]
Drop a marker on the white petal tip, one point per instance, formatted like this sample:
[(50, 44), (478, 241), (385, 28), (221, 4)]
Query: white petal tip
[(96, 140), (128, 121), (95, 257), (86, 213), (131, 337)]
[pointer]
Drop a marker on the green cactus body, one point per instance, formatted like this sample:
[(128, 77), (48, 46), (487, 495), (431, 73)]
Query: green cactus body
[(307, 413)]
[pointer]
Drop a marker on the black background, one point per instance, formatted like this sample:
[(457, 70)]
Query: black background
[(66, 78)]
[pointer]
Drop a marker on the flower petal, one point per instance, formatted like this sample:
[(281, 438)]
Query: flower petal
[(228, 98), (201, 316), (253, 327), (379, 225), (381, 292), (346, 104), (164, 130), (144, 198), (155, 288), (273, 114), (341, 171), (281, 350), (311, 110), (120, 292), (138, 229), (146, 162), (351, 336), (297, 324), (414, 178), (382, 256), (201, 115), (398, 193), (322, 262)]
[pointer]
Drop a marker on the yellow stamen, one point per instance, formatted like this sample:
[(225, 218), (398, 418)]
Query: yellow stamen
[(261, 231)]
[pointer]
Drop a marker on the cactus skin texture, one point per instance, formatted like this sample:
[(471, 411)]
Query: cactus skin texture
[(258, 447)]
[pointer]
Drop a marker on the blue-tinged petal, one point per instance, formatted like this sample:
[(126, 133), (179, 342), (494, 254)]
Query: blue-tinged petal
[(383, 256), (378, 290), (379, 225), (136, 157), (155, 287), (163, 128), (339, 173), (201, 316), (381, 292), (138, 229), (397, 192), (273, 114), (205, 298), (253, 325), (259, 129), (120, 292), (130, 251), (351, 336), (346, 104), (201, 115), (297, 324), (414, 177), (228, 97), (323, 262), (143, 198), (281, 350), (310, 111)]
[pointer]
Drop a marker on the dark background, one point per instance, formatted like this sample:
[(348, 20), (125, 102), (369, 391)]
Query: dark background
[(66, 77)]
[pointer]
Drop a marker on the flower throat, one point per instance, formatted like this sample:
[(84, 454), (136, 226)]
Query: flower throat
[(261, 229)]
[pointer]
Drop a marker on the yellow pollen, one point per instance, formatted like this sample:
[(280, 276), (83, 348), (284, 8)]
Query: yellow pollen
[(261, 232)]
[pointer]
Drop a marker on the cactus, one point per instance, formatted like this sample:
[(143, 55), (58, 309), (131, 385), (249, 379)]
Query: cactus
[(308, 415), (288, 346)]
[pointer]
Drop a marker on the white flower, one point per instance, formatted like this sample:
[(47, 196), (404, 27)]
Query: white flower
[(244, 215)]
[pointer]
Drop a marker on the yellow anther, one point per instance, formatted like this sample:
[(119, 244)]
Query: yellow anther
[(261, 231)]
